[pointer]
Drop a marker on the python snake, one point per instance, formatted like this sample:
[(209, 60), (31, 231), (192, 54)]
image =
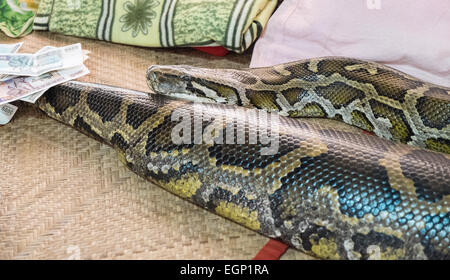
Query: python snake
[(331, 193), (364, 94)]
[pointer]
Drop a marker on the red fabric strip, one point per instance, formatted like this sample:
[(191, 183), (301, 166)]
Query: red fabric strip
[(273, 250), (217, 51), (368, 132)]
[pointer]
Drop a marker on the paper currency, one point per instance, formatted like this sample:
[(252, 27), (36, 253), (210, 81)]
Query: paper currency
[(32, 98), (7, 111), (29, 88), (35, 96), (40, 63), (20, 87), (8, 48), (7, 77)]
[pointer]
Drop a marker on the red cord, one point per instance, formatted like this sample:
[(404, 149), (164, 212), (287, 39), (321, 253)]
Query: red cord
[(273, 250)]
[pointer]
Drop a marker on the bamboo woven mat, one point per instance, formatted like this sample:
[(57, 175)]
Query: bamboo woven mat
[(66, 196)]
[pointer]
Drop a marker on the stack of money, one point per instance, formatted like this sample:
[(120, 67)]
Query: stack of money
[(27, 76)]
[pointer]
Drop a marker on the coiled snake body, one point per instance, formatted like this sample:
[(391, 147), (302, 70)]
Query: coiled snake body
[(329, 192)]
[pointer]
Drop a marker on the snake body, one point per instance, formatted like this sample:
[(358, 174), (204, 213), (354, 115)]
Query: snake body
[(368, 95), (331, 193)]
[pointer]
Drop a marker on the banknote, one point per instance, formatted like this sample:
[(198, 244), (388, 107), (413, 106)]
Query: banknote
[(37, 64), (10, 48), (19, 87), (7, 77), (32, 98), (35, 96), (6, 49), (7, 111)]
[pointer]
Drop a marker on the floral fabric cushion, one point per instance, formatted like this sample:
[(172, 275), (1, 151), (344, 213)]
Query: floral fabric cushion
[(234, 24)]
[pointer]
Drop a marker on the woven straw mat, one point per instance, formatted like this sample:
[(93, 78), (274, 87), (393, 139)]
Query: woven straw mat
[(64, 195)]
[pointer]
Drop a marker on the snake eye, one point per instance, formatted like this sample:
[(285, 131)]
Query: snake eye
[(153, 76), (185, 78)]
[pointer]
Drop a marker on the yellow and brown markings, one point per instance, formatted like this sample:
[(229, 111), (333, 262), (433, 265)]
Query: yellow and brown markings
[(294, 95), (143, 134), (301, 71), (222, 90), (246, 160), (369, 67), (138, 112), (63, 105), (348, 199), (386, 81), (88, 129), (317, 240), (401, 131), (248, 156), (324, 247), (366, 143), (392, 162), (281, 76), (263, 100), (440, 93), (375, 242), (312, 109), (61, 102), (270, 76), (106, 107), (420, 192), (324, 187), (160, 139), (339, 94), (119, 141), (313, 64), (184, 186), (376, 245), (360, 120), (434, 112), (239, 214), (429, 188), (420, 111), (439, 144)]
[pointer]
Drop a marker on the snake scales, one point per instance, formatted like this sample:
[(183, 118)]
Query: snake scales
[(331, 193)]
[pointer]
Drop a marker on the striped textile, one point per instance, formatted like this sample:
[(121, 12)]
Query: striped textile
[(233, 24)]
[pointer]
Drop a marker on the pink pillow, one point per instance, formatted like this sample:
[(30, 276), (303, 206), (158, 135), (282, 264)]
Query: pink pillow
[(410, 35)]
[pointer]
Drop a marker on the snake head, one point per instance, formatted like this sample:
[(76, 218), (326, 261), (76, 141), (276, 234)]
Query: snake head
[(196, 84), (166, 80)]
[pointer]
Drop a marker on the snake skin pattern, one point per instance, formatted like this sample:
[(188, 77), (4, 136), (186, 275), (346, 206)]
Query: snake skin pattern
[(364, 94), (330, 193)]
